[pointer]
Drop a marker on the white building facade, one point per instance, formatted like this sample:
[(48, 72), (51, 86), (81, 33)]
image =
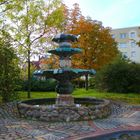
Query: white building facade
[(126, 39)]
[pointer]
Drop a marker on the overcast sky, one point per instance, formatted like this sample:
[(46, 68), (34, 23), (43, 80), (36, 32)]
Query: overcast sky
[(112, 13)]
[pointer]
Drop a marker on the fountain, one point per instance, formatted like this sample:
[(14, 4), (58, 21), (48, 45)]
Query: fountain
[(64, 107), (65, 74)]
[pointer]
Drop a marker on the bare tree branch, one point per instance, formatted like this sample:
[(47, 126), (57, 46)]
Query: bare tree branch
[(44, 31), (4, 2)]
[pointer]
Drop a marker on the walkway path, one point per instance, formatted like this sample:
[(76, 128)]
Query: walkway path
[(123, 117)]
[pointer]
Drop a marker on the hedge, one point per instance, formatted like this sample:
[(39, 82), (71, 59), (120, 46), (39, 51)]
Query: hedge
[(120, 76)]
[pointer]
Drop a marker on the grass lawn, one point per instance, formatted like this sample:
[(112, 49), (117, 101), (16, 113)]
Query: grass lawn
[(130, 98)]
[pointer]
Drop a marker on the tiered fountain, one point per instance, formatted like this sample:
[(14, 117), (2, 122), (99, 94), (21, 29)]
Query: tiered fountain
[(65, 74), (64, 107)]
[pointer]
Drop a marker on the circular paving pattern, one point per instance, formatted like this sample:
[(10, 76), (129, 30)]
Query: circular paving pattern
[(123, 117)]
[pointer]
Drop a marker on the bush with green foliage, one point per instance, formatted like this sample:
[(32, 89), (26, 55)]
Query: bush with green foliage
[(79, 83), (9, 70), (92, 82), (119, 76), (40, 85)]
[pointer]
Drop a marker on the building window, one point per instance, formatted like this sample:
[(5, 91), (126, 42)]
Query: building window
[(132, 34), (122, 45), (133, 44), (133, 54), (123, 35), (113, 35)]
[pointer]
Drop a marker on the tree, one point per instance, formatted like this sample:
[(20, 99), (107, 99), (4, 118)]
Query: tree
[(99, 48), (75, 16), (24, 71), (49, 63), (29, 24), (9, 70)]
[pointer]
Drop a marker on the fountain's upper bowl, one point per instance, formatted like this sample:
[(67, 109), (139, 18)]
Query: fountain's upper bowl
[(65, 38)]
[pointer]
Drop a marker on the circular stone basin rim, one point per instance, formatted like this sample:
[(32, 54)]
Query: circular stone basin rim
[(36, 109)]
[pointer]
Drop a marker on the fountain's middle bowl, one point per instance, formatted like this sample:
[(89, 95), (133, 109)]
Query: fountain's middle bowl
[(47, 110)]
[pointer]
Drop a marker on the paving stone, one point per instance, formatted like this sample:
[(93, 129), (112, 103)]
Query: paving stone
[(14, 128), (51, 137)]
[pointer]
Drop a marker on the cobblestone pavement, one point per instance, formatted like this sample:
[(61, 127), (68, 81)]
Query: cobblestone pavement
[(123, 117)]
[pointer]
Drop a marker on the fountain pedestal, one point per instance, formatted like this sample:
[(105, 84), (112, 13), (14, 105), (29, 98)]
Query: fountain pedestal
[(64, 90), (64, 100)]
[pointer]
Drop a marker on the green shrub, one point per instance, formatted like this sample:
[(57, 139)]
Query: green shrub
[(9, 70), (92, 82), (78, 83), (40, 85), (120, 76)]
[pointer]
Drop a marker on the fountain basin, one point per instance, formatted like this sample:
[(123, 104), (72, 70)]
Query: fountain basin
[(65, 73), (46, 109)]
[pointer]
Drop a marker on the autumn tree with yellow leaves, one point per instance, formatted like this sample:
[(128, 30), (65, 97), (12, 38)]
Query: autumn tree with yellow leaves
[(99, 48)]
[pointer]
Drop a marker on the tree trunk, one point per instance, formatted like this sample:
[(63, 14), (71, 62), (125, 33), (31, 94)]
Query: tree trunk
[(29, 76), (86, 81)]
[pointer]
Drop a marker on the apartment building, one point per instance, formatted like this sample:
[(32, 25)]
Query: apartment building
[(126, 39)]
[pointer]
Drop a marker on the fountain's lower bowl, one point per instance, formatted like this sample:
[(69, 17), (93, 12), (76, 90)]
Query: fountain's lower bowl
[(47, 110)]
